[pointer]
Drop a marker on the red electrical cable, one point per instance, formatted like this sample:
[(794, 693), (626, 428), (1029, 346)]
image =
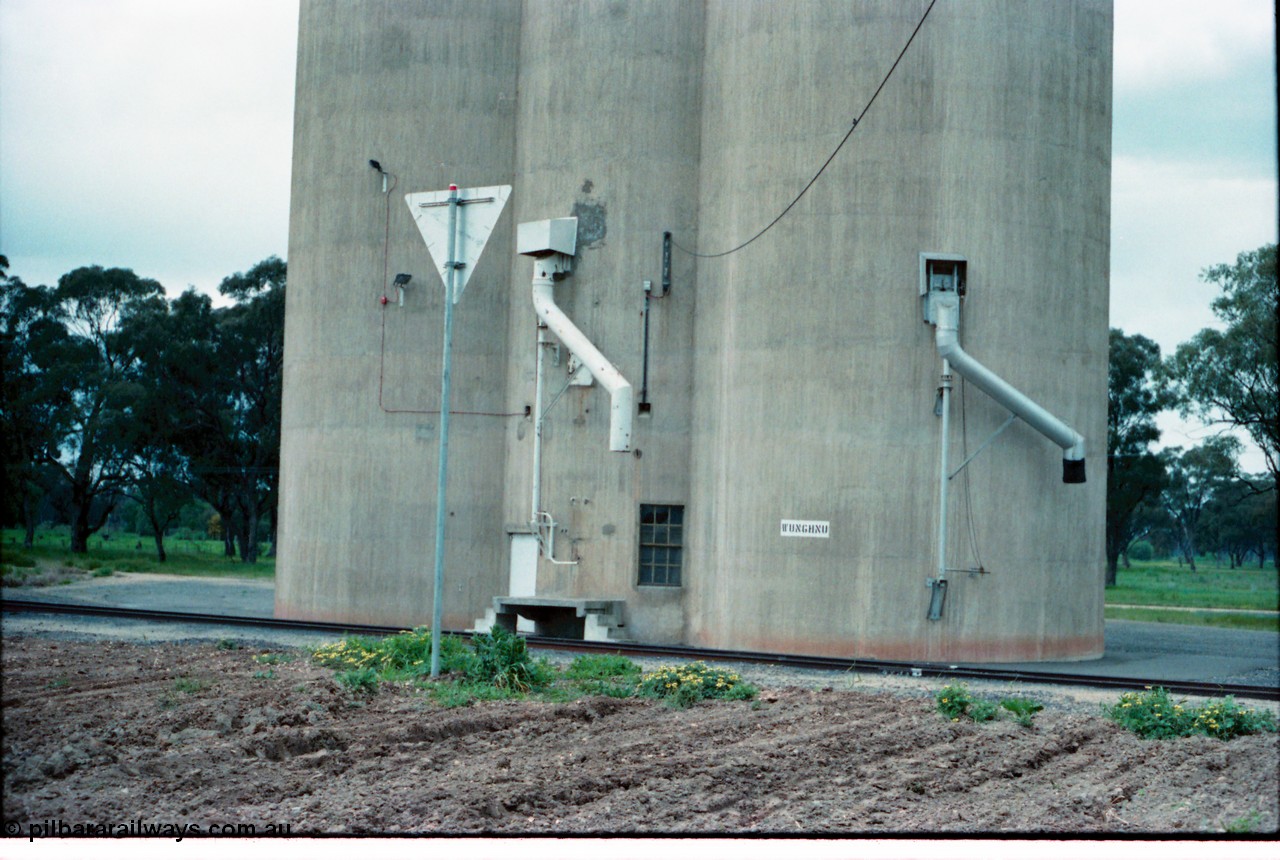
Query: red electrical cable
[(382, 347)]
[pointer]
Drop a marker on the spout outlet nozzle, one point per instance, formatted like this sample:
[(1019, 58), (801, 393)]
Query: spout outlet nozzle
[(1073, 471)]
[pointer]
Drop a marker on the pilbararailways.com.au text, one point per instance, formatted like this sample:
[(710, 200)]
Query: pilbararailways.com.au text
[(55, 827)]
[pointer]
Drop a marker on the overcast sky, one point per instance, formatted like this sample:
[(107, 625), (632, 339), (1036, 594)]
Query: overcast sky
[(156, 135)]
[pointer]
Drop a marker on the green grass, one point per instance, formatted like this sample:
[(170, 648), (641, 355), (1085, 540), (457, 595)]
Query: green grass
[(1164, 583), (190, 685), (601, 667), (1233, 620), (462, 694), (604, 675), (1245, 823), (120, 553)]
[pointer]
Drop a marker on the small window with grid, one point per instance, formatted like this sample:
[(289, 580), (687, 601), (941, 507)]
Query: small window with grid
[(661, 544)]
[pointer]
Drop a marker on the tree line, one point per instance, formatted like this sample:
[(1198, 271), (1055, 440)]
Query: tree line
[(113, 392), (1196, 500)]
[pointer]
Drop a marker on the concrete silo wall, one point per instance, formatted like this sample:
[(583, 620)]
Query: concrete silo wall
[(608, 127), (427, 90), (793, 379), (816, 376)]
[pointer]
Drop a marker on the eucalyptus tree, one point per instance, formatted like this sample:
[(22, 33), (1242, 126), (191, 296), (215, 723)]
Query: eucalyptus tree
[(31, 411), (1238, 520), (1135, 475), (251, 352), (160, 480), (88, 365), (1230, 376), (1197, 477), (223, 370)]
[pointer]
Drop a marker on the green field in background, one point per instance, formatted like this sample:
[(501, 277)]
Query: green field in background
[(1212, 586), (121, 553), (1215, 618)]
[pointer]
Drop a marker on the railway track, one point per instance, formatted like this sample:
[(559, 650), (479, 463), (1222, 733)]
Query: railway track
[(678, 652)]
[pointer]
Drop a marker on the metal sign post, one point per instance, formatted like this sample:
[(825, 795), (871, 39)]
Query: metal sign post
[(437, 590), (488, 203)]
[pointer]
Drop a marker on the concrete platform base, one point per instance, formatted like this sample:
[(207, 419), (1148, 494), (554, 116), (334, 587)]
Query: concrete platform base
[(561, 617)]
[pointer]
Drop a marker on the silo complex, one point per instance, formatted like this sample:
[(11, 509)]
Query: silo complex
[(783, 485)]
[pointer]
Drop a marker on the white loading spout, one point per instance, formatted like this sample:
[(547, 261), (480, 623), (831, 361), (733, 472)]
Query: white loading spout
[(601, 370), (552, 244), (946, 312)]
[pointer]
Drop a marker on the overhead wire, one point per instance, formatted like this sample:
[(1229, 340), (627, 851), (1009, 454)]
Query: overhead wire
[(830, 158)]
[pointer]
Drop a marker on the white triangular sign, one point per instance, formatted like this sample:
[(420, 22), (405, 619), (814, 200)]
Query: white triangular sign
[(478, 211)]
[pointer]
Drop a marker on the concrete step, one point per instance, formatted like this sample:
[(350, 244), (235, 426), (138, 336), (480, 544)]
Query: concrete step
[(601, 619)]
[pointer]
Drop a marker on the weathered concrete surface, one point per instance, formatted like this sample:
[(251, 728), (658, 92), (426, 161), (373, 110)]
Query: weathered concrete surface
[(608, 129), (793, 379), (816, 375), (428, 90)]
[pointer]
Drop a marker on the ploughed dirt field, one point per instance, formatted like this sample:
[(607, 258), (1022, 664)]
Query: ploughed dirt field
[(191, 736)]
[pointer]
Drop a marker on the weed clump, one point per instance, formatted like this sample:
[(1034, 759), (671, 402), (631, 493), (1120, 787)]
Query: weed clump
[(983, 711), (1153, 715), (955, 701), (273, 658), (502, 659), (359, 680), (406, 654), (681, 686), (190, 685), (1023, 710), (498, 659)]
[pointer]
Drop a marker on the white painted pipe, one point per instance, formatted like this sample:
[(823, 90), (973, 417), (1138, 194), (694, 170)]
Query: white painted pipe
[(540, 346), (947, 313), (944, 392), (621, 400), (544, 527)]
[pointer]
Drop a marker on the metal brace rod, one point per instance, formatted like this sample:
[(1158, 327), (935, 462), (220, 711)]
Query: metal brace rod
[(547, 411), (461, 202), (990, 439)]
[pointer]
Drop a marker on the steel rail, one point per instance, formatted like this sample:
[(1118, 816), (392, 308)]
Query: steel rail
[(795, 661)]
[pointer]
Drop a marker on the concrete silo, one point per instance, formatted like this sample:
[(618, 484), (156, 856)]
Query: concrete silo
[(992, 141), (427, 90), (782, 487)]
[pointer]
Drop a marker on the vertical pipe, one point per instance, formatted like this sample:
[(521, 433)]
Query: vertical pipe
[(540, 346), (943, 469), (437, 614), (644, 375)]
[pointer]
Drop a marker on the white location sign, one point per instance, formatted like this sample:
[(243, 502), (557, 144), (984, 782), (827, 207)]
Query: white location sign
[(478, 211), (806, 528)]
